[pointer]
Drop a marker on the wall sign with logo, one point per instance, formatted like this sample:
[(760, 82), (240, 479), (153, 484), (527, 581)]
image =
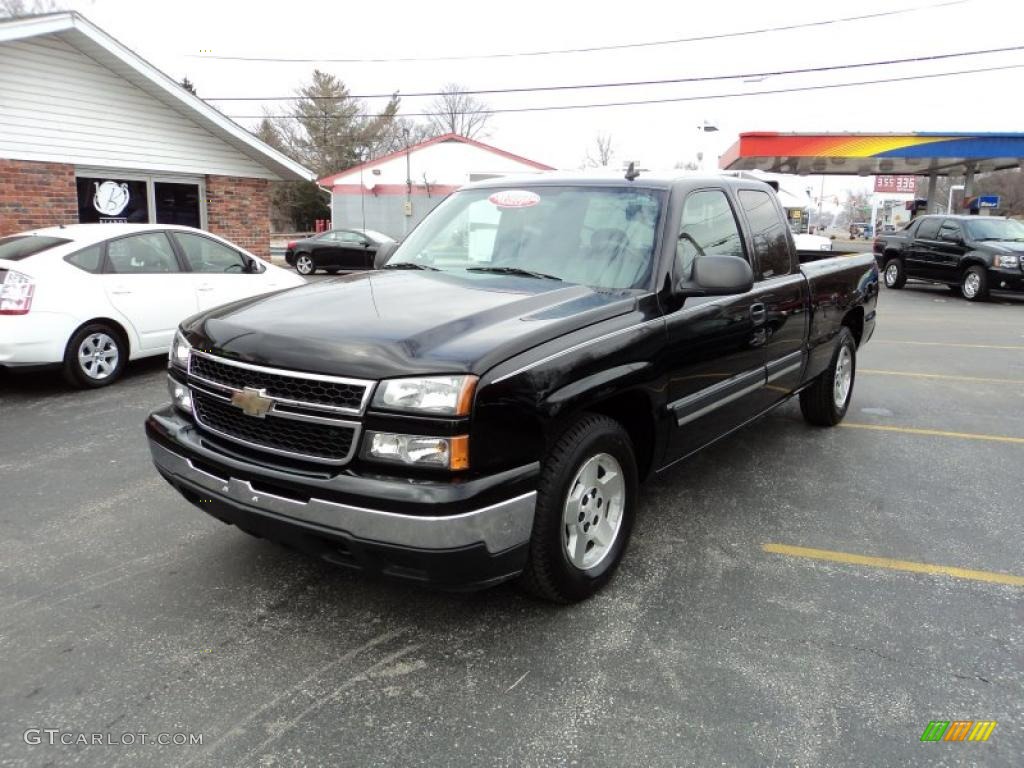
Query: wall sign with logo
[(112, 200), (904, 185)]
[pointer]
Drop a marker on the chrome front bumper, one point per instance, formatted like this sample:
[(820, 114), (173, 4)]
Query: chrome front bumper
[(498, 527)]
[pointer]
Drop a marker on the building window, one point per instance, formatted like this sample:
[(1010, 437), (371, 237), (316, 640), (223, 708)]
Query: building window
[(115, 197)]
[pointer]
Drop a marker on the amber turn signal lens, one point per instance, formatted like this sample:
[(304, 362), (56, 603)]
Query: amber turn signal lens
[(465, 404), (459, 456)]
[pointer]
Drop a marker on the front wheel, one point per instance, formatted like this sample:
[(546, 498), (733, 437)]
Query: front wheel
[(826, 401), (304, 264), (974, 285), (586, 503), (894, 275)]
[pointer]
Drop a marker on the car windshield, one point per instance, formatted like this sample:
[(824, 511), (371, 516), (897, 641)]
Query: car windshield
[(19, 247), (596, 236), (995, 229)]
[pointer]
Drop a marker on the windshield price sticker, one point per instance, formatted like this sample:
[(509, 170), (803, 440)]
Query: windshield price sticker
[(514, 198)]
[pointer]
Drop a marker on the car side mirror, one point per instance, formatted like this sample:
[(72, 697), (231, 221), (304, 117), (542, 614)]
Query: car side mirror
[(252, 267), (716, 275), (383, 254)]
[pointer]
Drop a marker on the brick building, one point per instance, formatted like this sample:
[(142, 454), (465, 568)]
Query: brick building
[(91, 132)]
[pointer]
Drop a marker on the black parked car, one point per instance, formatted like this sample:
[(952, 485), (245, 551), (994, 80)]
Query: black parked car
[(485, 405), (335, 250), (971, 254)]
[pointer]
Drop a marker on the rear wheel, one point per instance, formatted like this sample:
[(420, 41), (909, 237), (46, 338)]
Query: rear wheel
[(95, 356), (826, 401), (894, 275), (974, 284), (304, 264), (586, 502)]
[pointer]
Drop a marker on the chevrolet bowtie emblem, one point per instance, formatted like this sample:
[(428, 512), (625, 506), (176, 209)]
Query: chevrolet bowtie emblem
[(253, 402)]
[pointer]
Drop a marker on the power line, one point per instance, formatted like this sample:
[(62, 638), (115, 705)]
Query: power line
[(633, 83), (702, 97), (590, 49)]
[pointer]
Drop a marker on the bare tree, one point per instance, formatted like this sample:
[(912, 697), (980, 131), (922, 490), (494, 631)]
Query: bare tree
[(15, 8), (455, 111), (602, 152)]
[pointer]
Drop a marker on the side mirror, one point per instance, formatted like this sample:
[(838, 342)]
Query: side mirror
[(384, 252), (716, 275)]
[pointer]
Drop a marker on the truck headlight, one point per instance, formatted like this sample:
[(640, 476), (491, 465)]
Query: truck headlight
[(1010, 260), (418, 450), (438, 395), (180, 351), (181, 398)]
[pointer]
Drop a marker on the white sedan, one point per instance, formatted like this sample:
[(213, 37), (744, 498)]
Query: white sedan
[(90, 297)]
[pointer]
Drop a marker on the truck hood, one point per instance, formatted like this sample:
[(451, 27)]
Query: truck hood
[(1000, 246), (376, 325)]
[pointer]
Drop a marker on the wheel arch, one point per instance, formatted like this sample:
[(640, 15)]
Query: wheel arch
[(634, 412), (854, 320), (115, 325)]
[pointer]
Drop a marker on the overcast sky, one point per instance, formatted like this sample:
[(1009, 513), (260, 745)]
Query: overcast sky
[(172, 35)]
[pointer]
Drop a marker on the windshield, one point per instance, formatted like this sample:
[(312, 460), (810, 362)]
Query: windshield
[(596, 236), (19, 247), (995, 229)]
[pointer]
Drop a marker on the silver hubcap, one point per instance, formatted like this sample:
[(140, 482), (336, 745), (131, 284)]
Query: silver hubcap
[(98, 356), (593, 511), (972, 283), (891, 273), (304, 265), (844, 377)]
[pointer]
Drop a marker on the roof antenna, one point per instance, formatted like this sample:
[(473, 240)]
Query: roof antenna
[(632, 172)]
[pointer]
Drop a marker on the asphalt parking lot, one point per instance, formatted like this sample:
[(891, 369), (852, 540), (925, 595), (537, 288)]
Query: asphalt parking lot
[(125, 610)]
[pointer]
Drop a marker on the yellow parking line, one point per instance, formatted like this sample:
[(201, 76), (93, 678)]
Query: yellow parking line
[(940, 376), (934, 432), (896, 565), (949, 344)]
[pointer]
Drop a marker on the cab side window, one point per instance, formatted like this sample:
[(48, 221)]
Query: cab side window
[(707, 226), (950, 231), (928, 230), (768, 233)]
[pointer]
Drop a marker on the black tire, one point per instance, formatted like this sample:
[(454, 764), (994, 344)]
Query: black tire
[(971, 290), (818, 402), (106, 365), (955, 290), (893, 274), (549, 573), (331, 270)]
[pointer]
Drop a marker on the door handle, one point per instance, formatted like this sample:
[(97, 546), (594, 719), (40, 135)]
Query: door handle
[(120, 291), (205, 287), (758, 313)]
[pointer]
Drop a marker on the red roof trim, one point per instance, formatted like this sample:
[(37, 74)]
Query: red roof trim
[(329, 179)]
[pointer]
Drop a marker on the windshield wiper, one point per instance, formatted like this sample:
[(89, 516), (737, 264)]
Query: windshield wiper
[(410, 265), (514, 271)]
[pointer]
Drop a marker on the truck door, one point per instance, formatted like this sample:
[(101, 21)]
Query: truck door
[(946, 253), (715, 346), (918, 251), (781, 290)]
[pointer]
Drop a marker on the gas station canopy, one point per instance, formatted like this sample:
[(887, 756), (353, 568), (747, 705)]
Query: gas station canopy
[(865, 154)]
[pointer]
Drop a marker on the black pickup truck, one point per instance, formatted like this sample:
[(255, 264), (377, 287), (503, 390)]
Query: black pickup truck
[(973, 255), (485, 405)]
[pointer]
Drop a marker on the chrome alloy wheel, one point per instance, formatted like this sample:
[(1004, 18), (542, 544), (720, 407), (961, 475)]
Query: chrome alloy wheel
[(98, 356), (844, 377), (593, 511), (892, 273), (972, 284), (304, 265)]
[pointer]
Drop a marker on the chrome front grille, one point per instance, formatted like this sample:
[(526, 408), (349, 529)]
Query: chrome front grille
[(302, 389), (303, 416)]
